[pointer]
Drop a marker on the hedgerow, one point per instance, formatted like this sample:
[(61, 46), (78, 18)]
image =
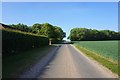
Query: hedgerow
[(15, 41)]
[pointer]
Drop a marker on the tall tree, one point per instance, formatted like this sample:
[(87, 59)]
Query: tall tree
[(36, 27), (59, 34), (47, 30)]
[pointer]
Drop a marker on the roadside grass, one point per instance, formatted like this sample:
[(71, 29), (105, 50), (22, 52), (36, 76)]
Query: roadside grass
[(110, 65), (14, 65)]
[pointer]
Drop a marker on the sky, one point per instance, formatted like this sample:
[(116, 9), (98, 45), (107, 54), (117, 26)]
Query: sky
[(60, 0), (67, 15)]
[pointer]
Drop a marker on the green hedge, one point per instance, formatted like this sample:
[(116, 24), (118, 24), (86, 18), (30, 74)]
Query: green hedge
[(16, 41)]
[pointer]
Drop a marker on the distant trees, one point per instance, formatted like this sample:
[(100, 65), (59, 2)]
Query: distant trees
[(77, 34), (54, 33), (21, 27)]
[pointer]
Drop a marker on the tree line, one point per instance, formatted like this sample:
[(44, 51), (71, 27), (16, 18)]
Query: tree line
[(80, 34), (54, 33)]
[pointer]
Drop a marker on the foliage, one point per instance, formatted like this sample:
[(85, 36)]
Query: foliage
[(21, 27), (36, 27), (59, 33), (54, 33), (79, 34), (15, 41), (47, 30)]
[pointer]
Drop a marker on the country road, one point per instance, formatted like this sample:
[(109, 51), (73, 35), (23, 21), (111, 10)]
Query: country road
[(68, 62)]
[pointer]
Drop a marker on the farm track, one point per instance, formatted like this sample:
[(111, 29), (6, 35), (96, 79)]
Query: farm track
[(70, 63)]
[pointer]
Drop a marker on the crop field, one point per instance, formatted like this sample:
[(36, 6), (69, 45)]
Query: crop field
[(107, 49)]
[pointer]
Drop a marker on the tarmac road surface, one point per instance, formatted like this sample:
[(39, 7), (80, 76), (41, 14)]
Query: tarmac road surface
[(68, 62)]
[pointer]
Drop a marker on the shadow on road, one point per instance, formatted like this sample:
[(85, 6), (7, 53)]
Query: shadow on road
[(50, 60)]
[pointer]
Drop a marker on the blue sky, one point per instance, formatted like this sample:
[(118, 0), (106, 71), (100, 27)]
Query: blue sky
[(67, 15)]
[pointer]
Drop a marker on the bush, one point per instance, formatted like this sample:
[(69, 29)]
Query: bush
[(16, 41)]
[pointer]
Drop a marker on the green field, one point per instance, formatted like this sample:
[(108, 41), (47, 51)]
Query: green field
[(105, 52), (107, 49)]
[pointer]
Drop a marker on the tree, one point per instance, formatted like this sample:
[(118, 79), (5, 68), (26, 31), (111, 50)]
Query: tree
[(89, 34), (36, 28), (21, 27), (54, 33), (59, 34), (47, 30)]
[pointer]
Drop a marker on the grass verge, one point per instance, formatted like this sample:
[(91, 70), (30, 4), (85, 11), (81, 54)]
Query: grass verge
[(110, 65), (14, 65)]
